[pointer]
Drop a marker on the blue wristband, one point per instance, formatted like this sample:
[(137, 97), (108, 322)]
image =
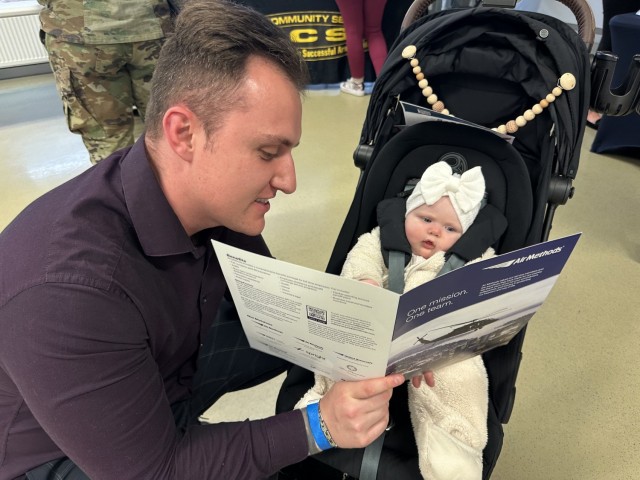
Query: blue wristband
[(316, 428)]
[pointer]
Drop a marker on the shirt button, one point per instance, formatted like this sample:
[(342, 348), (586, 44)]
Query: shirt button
[(204, 299)]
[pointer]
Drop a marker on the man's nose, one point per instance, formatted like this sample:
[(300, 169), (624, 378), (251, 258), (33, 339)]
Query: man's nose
[(285, 177)]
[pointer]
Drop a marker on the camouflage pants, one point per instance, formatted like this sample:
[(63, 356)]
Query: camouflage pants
[(99, 85)]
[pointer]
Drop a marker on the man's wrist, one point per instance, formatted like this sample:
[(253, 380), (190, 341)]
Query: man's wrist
[(313, 447), (320, 433), (325, 429)]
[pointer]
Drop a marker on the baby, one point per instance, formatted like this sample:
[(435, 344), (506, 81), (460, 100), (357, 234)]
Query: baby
[(450, 419)]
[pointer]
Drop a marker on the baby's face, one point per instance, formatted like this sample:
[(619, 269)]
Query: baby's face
[(432, 228)]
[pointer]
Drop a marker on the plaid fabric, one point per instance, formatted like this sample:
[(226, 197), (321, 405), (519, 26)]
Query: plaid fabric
[(61, 469)]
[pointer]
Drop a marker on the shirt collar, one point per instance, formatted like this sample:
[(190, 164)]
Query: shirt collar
[(158, 229)]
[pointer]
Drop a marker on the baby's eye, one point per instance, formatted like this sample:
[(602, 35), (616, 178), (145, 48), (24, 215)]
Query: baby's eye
[(450, 229), (426, 219)]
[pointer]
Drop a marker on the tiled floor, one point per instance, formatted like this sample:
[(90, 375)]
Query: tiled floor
[(578, 406)]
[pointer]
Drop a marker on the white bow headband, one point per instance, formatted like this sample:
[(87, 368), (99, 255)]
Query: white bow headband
[(465, 191)]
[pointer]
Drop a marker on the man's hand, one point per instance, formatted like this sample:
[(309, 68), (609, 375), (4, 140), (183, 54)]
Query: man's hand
[(356, 413)]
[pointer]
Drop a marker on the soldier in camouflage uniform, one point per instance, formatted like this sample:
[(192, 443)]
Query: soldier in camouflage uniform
[(103, 54)]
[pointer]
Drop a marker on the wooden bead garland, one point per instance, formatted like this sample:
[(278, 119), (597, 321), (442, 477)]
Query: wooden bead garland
[(566, 82)]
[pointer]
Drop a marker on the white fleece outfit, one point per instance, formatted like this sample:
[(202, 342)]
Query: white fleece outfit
[(450, 419)]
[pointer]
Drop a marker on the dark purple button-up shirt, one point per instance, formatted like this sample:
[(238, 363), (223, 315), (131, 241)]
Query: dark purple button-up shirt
[(104, 300)]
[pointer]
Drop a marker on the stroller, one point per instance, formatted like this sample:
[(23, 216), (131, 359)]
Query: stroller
[(489, 66)]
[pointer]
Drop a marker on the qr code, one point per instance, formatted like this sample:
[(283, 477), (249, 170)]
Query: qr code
[(317, 314)]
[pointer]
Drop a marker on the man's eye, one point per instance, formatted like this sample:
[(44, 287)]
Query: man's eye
[(268, 155)]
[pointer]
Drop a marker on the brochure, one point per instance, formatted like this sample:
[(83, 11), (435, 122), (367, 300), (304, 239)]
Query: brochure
[(414, 114), (349, 330)]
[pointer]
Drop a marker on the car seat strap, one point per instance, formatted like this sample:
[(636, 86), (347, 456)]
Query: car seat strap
[(396, 271), (371, 459), (371, 456), (390, 216), (453, 262)]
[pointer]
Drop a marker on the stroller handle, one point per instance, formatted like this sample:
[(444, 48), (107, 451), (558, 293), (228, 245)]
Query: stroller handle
[(580, 9)]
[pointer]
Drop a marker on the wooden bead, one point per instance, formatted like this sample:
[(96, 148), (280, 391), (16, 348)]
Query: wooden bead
[(431, 99), (420, 76), (567, 81), (557, 91), (423, 84), (427, 91), (544, 103), (550, 98), (502, 129), (438, 106), (414, 62), (409, 51), (512, 127), (529, 115), (416, 70), (445, 111), (537, 109), (520, 121)]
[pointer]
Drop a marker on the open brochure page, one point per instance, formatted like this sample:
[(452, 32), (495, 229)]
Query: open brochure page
[(475, 308), (331, 325), (414, 114), (349, 330)]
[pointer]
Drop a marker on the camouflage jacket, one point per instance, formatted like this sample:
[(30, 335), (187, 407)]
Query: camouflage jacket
[(105, 21)]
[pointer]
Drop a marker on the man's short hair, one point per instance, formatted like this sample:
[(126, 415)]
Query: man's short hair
[(203, 63)]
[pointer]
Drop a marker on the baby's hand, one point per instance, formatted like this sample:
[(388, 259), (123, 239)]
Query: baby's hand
[(428, 378), (370, 282)]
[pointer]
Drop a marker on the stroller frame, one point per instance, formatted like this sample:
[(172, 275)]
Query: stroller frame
[(560, 133)]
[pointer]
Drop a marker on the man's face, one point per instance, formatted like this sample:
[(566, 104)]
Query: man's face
[(249, 157), (432, 228)]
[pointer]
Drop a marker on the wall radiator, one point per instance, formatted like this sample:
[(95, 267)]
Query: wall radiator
[(19, 41)]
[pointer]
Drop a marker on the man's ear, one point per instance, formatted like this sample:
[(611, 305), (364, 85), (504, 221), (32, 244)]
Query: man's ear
[(179, 124)]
